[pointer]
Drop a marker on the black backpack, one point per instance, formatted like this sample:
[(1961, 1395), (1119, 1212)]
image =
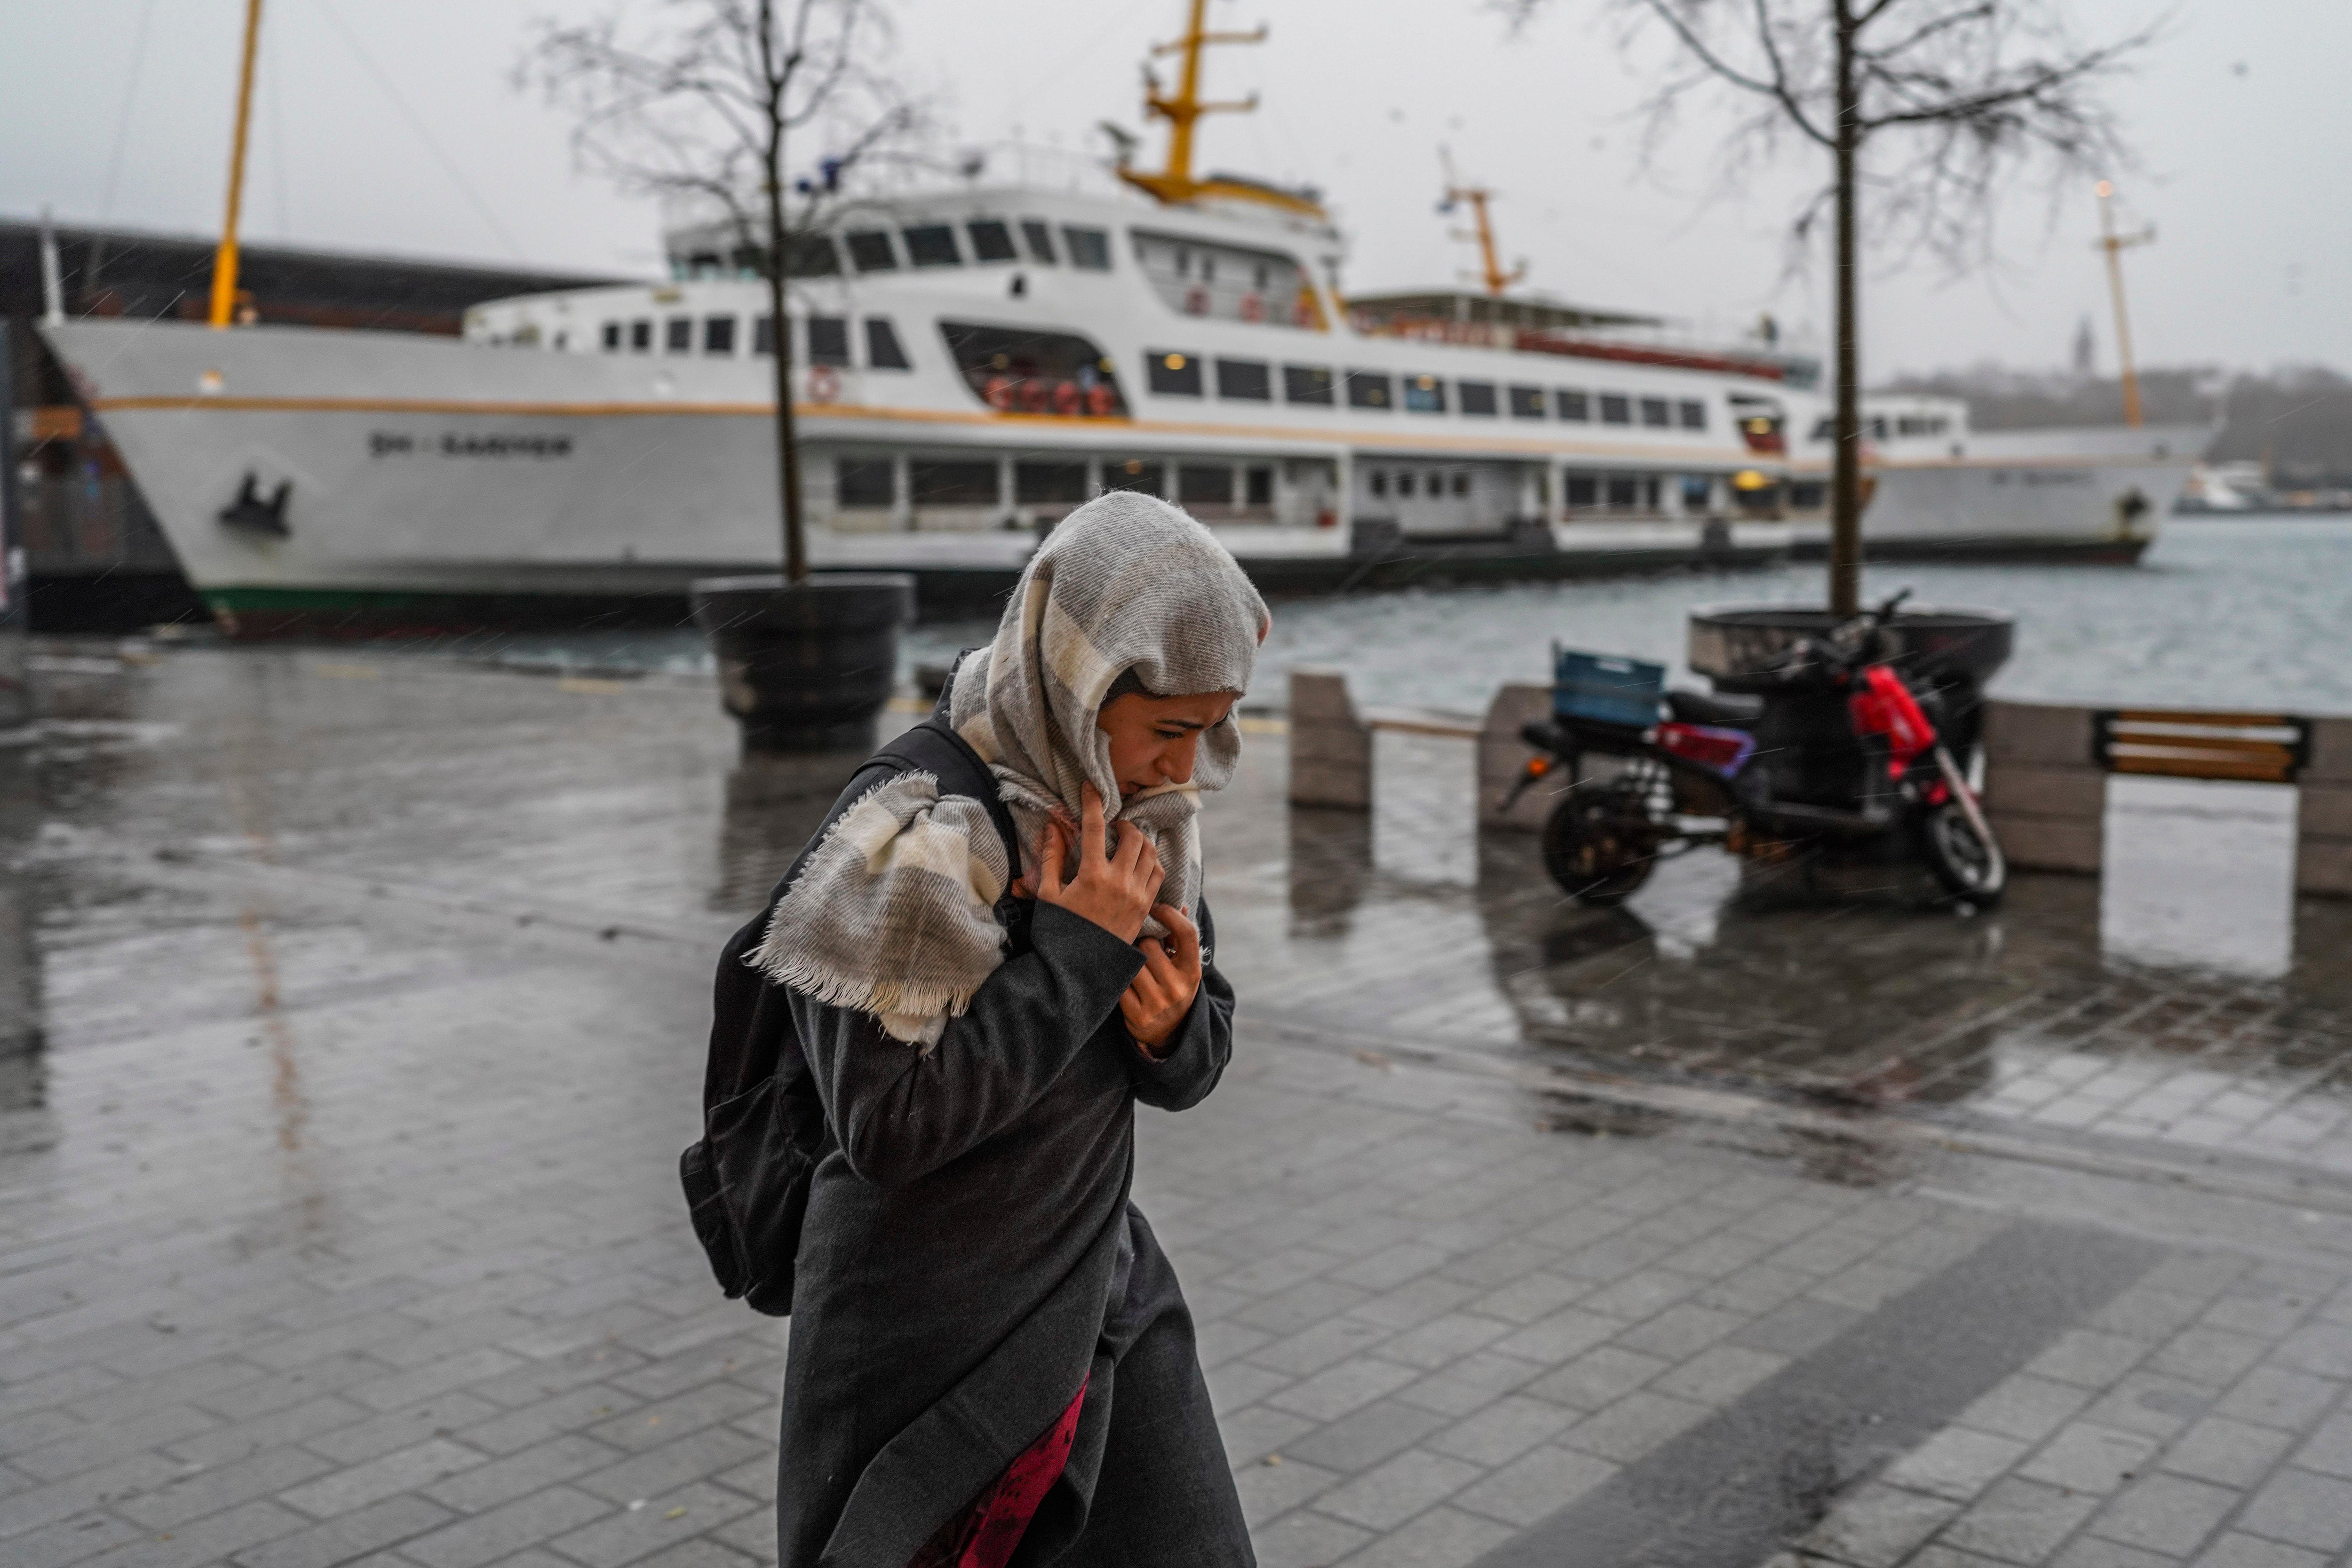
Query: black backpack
[(746, 1181)]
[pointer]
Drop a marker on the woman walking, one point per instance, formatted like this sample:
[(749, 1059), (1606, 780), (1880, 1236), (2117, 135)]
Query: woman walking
[(990, 1362)]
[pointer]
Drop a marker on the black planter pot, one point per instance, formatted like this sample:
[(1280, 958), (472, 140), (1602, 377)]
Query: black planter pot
[(807, 666)]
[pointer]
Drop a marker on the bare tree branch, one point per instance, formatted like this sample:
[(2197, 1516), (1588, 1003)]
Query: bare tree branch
[(702, 106)]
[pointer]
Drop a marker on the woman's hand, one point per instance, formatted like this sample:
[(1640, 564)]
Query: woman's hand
[(1112, 889), (1156, 1000)]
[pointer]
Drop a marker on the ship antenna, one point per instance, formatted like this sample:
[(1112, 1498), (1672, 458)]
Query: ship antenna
[(1490, 269), (225, 259), (2115, 245), (1174, 183)]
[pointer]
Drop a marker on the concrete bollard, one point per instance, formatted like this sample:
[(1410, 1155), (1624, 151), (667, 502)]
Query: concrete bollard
[(2323, 858), (1503, 757), (1330, 744), (2044, 790)]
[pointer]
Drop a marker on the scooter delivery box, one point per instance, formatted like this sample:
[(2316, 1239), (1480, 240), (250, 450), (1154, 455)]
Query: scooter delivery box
[(1603, 688)]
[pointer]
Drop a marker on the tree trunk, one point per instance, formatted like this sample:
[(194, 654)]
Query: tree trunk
[(1845, 515), (788, 450)]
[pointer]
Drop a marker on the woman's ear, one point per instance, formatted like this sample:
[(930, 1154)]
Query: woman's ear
[(1264, 627)]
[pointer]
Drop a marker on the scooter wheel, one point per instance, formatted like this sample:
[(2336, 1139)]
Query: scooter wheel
[(1968, 865), (1599, 848)]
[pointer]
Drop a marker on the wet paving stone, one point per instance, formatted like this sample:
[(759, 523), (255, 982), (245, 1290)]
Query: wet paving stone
[(366, 990)]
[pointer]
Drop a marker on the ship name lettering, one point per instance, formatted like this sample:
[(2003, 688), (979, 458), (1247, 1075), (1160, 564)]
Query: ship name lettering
[(455, 443)]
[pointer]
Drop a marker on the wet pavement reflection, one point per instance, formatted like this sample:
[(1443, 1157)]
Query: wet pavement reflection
[(2187, 996), (351, 1015)]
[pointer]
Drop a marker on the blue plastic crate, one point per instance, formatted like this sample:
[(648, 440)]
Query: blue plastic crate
[(1603, 688)]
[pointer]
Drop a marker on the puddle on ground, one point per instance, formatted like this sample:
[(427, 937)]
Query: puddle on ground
[(2200, 873)]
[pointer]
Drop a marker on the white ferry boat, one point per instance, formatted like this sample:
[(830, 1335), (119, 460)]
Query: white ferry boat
[(972, 364)]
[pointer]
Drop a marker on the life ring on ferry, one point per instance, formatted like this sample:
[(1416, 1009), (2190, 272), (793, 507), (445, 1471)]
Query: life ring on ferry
[(1067, 401), (1253, 307), (1302, 313), (1102, 401), (823, 383), (1196, 301), (1037, 397), (998, 393)]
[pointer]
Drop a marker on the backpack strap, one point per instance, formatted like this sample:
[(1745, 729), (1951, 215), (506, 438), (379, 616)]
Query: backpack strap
[(932, 748)]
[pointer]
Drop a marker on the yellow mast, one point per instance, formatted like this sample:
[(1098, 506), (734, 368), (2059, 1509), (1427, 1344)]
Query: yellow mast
[(2114, 245), (1497, 280), (1175, 184), (225, 259)]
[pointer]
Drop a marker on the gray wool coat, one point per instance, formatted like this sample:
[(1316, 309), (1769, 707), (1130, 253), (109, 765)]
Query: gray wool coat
[(970, 1256)]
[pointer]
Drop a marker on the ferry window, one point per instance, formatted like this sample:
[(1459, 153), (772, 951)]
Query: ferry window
[(954, 483), (1306, 383), (1089, 248), (1177, 375), (1048, 484), (718, 335), (1573, 405), (811, 256), (1616, 409), (991, 240), (1478, 397), (1258, 487), (1405, 483), (828, 340), (1654, 413), (1806, 497), (870, 250), (612, 337), (1425, 394), (1877, 429), (1204, 484), (1583, 490), (932, 245), (1826, 428), (1624, 490), (1462, 484), (1249, 379), (1183, 262), (562, 340), (641, 336), (1368, 389), (1526, 402), (1035, 372), (864, 482), (677, 334), (1379, 483), (1693, 414), (764, 335), (1039, 237), (1135, 474), (883, 351)]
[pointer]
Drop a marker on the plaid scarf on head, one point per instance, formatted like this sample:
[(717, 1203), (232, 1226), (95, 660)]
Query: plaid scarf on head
[(893, 913)]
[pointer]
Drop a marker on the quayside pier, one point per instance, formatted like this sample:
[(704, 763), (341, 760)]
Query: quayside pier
[(357, 1004)]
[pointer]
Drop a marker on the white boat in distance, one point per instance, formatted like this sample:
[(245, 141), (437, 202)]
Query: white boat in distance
[(972, 364)]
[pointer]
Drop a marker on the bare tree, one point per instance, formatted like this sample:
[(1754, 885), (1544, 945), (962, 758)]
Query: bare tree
[(699, 108), (1963, 95)]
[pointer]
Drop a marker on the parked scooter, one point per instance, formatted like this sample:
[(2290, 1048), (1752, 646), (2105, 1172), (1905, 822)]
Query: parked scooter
[(1836, 751)]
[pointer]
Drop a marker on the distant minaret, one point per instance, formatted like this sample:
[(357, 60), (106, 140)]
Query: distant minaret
[(2084, 347)]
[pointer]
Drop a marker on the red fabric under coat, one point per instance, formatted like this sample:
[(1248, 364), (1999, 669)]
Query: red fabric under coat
[(985, 1534)]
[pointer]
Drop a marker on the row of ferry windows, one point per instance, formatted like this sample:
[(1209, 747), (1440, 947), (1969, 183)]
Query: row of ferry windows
[(933, 244), (826, 339), (1878, 428), (1252, 381), (868, 482)]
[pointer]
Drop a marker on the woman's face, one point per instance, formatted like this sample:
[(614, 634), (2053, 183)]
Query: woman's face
[(1152, 739)]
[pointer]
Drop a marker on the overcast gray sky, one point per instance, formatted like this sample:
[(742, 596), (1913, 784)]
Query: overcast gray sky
[(394, 127)]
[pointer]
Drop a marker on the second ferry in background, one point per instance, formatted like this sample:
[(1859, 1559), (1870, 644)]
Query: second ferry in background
[(975, 362)]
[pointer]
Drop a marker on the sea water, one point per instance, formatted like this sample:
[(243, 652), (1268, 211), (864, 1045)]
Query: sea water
[(2248, 613)]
